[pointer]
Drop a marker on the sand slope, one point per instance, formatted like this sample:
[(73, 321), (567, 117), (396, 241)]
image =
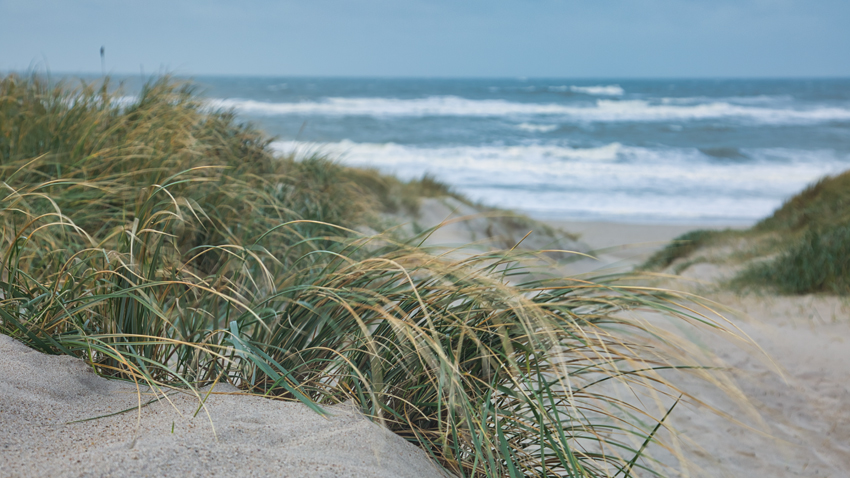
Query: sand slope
[(798, 384), (802, 396), (476, 229), (256, 436)]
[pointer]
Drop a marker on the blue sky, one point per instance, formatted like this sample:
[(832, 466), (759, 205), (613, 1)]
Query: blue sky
[(442, 38)]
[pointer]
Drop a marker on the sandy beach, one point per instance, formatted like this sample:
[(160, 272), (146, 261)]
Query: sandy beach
[(800, 393), (43, 400), (798, 386), (797, 382), (621, 246)]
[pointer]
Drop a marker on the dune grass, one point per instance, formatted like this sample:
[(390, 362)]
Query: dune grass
[(825, 204), (816, 254), (819, 261), (682, 246), (164, 243), (802, 248)]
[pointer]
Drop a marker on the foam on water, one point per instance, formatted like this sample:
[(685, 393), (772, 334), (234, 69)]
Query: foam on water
[(609, 90), (672, 184), (537, 128), (738, 100), (599, 111), (599, 90), (616, 149)]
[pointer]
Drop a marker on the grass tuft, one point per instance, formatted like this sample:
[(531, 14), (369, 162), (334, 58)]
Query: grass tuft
[(817, 262), (815, 256), (682, 246), (824, 204)]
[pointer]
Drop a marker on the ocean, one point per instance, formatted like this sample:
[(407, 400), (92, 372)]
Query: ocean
[(641, 151)]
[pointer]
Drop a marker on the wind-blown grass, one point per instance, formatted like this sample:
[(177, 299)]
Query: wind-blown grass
[(164, 243), (824, 204)]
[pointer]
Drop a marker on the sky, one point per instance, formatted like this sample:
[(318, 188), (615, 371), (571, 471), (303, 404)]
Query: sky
[(431, 38)]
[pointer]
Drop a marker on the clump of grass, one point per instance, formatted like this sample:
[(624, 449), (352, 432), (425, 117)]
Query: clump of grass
[(806, 240), (162, 242), (818, 262), (83, 134), (682, 246), (814, 252), (825, 203)]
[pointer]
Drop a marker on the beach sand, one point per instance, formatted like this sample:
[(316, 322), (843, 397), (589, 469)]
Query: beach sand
[(797, 379), (799, 386), (802, 398), (233, 435), (620, 247)]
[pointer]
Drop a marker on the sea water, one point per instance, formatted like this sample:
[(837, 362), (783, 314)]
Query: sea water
[(650, 151)]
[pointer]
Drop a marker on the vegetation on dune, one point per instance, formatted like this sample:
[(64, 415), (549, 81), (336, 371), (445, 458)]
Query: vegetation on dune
[(821, 206), (680, 247), (164, 243), (816, 255), (817, 262), (803, 247), (394, 195)]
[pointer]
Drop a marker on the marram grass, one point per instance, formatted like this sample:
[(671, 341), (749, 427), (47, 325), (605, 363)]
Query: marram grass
[(802, 248), (164, 243)]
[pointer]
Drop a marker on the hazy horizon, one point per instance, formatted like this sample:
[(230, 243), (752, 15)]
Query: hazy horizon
[(186, 75), (652, 39)]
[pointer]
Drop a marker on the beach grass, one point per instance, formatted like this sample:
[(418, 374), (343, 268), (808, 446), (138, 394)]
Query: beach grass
[(802, 248), (164, 243), (819, 261), (682, 246)]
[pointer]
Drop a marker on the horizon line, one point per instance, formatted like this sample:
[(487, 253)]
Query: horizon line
[(432, 77)]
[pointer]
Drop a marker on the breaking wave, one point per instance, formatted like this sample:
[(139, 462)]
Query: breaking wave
[(600, 111), (612, 180)]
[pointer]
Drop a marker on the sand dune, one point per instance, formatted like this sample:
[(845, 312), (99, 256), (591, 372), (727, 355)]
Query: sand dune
[(40, 394)]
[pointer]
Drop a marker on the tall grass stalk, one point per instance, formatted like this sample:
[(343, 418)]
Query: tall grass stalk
[(163, 242)]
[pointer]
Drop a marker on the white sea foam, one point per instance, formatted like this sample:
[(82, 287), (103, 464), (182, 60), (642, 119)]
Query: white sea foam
[(600, 90), (537, 128), (123, 101), (430, 106), (601, 111), (388, 155), (610, 180), (738, 100)]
